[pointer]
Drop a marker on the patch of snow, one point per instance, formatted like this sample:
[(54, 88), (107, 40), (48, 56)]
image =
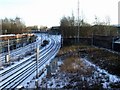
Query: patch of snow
[(112, 78)]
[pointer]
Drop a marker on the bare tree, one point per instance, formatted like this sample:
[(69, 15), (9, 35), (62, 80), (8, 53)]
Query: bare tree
[(12, 25), (108, 20)]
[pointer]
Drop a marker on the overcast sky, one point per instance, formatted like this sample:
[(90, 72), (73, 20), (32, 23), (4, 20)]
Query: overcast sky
[(49, 12)]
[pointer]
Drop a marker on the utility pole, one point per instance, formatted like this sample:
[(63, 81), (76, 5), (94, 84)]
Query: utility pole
[(78, 22), (112, 43), (37, 58), (8, 56)]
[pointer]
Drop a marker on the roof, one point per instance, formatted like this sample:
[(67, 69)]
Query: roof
[(7, 35)]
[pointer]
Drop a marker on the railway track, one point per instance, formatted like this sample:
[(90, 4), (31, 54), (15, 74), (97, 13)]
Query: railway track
[(14, 76), (17, 52)]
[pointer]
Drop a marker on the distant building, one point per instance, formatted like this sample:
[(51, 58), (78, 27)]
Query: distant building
[(54, 30), (16, 41)]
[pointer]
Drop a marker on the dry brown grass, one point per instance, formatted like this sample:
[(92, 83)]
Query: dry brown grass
[(105, 59), (75, 65)]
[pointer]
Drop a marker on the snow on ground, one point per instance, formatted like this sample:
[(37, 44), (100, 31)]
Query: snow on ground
[(22, 51), (31, 81), (60, 79), (112, 78)]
